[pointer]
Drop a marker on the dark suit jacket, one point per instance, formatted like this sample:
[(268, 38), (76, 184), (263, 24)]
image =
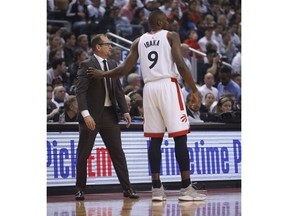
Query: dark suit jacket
[(90, 92)]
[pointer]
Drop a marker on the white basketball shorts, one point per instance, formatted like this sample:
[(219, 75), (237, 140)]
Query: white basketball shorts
[(164, 109)]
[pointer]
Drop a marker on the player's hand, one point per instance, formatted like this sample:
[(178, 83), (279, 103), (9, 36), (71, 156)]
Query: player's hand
[(95, 73), (90, 123), (196, 97)]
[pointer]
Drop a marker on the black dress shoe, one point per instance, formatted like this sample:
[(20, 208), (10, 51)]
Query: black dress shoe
[(79, 195), (130, 194)]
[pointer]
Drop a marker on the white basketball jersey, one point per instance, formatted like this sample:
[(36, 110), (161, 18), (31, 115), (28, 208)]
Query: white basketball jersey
[(155, 57)]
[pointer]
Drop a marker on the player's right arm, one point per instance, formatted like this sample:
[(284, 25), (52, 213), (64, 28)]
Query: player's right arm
[(179, 61)]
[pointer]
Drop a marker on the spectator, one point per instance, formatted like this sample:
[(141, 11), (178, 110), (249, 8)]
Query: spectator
[(115, 23), (128, 10), (227, 85), (116, 55), (234, 36), (182, 6), (199, 112), (119, 3), (50, 9), (202, 7), (128, 89), (134, 80), (224, 104), (208, 39), (80, 56), (236, 61), (53, 55), (55, 30), (236, 77), (215, 9), (61, 7), (233, 98), (222, 21), (209, 21), (122, 24), (77, 14), (137, 112), (193, 12), (57, 73), (208, 86), (175, 14), (83, 42), (107, 23), (166, 6), (71, 109), (212, 66), (68, 110), (52, 109), (96, 12), (173, 25), (54, 43), (50, 88), (227, 48), (59, 96), (201, 28), (140, 19), (135, 95), (185, 25), (69, 46), (217, 33), (150, 5), (108, 4), (192, 42), (193, 109), (209, 101)]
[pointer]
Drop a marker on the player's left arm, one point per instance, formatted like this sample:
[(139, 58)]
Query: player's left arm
[(174, 41)]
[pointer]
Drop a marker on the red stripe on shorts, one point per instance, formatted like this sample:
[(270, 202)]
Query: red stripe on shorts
[(154, 135), (178, 93)]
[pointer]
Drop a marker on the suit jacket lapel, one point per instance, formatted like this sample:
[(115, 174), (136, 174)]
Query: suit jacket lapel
[(95, 62), (97, 65)]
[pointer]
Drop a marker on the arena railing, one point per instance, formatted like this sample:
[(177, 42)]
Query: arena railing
[(63, 23)]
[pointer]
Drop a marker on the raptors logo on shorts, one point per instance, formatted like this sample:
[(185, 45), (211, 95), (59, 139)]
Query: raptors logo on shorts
[(184, 118)]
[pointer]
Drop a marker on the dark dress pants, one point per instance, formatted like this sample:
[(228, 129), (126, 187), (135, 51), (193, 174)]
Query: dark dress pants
[(109, 130)]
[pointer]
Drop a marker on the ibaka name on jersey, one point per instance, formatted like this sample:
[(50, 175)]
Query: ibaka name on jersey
[(151, 43)]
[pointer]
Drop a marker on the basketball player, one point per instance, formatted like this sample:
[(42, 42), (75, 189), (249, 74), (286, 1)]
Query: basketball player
[(164, 109)]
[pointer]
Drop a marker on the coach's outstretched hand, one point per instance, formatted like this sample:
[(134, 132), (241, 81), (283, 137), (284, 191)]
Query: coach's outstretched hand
[(95, 73)]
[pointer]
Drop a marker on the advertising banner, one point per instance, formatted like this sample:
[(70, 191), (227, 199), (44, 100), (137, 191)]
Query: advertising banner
[(214, 155)]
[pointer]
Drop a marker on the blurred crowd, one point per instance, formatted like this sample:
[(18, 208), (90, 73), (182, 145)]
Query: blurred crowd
[(212, 27)]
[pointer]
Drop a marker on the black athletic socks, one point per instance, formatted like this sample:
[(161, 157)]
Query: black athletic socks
[(156, 183), (186, 183)]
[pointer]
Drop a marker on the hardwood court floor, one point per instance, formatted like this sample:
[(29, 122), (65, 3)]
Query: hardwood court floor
[(219, 202)]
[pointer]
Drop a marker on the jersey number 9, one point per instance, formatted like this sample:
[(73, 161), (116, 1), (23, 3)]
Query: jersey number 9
[(153, 57)]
